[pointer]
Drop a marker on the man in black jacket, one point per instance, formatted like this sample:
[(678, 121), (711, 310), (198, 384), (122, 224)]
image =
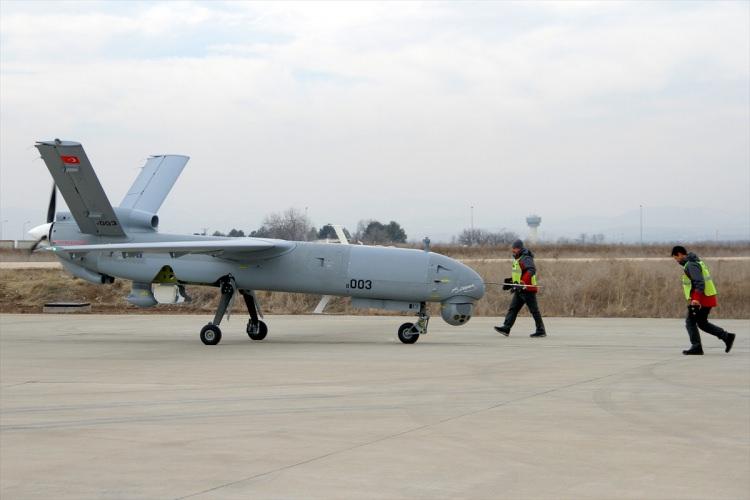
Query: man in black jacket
[(523, 286), (701, 296)]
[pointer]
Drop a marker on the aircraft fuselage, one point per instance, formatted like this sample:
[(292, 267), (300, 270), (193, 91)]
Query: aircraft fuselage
[(373, 272)]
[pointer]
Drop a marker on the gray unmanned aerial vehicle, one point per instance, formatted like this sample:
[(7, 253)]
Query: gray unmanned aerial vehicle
[(99, 243)]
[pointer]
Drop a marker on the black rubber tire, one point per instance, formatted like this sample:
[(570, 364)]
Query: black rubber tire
[(262, 331), (210, 334), (405, 336)]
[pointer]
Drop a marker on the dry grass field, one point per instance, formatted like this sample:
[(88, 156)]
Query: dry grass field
[(603, 287), (608, 251), (610, 288)]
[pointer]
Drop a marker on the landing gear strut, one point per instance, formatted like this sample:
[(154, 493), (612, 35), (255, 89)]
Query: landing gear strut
[(256, 329), (408, 333), (211, 333)]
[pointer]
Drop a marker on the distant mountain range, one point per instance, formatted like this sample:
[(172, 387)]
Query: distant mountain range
[(660, 224)]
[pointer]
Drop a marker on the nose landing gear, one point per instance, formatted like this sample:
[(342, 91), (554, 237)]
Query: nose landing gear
[(409, 333)]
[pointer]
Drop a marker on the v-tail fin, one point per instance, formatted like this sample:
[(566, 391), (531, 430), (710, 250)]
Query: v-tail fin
[(154, 182), (78, 184)]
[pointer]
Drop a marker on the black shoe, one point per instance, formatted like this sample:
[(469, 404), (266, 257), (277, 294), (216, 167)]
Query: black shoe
[(695, 349), (729, 341), (538, 334), (503, 330)]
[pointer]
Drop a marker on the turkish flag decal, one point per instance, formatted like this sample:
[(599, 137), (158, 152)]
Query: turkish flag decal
[(70, 160)]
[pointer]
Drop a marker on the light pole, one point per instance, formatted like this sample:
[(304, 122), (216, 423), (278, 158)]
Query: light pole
[(23, 229), (641, 214), (2, 226), (471, 240)]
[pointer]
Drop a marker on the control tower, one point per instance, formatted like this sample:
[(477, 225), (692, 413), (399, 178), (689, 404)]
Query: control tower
[(533, 221)]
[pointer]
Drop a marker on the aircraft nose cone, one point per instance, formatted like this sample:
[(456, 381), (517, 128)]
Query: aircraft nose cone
[(470, 278), (468, 284), (455, 279)]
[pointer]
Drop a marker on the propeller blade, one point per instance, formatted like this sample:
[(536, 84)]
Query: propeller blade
[(52, 203), (36, 244)]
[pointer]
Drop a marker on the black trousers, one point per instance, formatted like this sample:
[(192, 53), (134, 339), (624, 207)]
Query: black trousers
[(698, 318), (516, 304)]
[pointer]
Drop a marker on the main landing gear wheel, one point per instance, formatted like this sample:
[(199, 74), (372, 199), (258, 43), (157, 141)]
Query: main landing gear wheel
[(258, 333), (210, 334), (406, 333)]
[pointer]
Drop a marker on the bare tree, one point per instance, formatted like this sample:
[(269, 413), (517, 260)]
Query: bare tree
[(590, 239), (480, 237), (292, 224)]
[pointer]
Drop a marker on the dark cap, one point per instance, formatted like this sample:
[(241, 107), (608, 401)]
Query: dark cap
[(517, 244), (679, 250)]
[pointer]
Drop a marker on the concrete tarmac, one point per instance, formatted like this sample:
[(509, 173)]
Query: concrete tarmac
[(136, 407)]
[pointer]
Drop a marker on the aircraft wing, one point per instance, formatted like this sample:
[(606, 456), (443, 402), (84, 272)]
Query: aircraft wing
[(229, 248)]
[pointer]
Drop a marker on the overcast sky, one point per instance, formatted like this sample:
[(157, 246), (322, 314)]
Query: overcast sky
[(401, 111)]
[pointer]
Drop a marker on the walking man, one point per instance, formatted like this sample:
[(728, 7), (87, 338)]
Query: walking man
[(701, 294), (522, 285)]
